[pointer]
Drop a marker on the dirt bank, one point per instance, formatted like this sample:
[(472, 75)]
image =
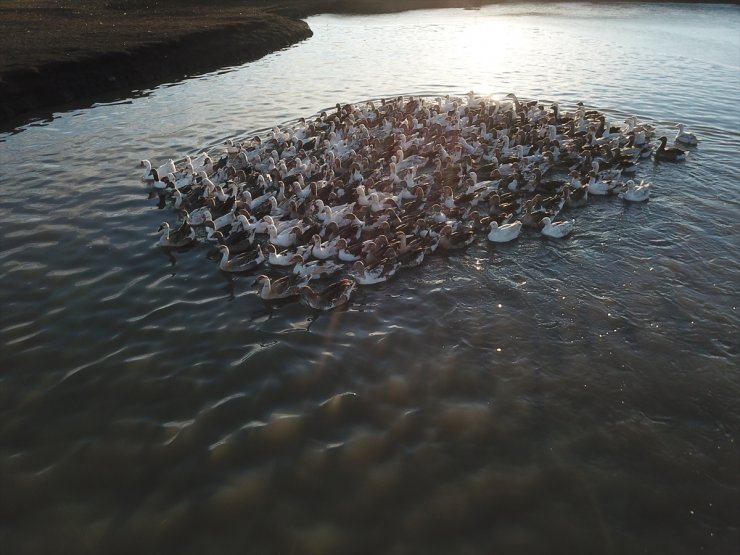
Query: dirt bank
[(60, 53), (54, 55), (69, 53)]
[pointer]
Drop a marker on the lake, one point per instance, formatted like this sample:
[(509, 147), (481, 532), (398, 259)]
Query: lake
[(576, 396)]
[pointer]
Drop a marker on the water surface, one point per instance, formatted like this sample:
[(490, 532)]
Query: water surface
[(576, 396)]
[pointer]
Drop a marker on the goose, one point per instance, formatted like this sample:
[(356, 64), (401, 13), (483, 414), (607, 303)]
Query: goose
[(636, 193), (325, 250), (286, 238), (670, 154), (185, 180), (284, 258), (453, 240), (607, 174), (181, 237), (314, 269), (148, 175), (575, 198), (210, 230), (685, 138), (344, 253), (202, 163), (237, 241), (413, 256), (531, 219), (302, 192), (282, 288), (556, 229), (601, 188), (225, 220), (245, 262), (377, 273), (386, 186), (160, 184), (504, 233), (151, 174), (231, 148), (333, 296)]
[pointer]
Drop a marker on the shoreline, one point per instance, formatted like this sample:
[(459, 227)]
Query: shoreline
[(57, 56), (62, 55), (57, 83)]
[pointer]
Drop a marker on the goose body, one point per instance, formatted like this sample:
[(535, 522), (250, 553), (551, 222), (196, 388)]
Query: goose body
[(685, 138), (150, 174), (505, 232), (314, 269), (556, 230), (181, 237), (669, 154), (333, 296), (378, 273), (635, 192), (372, 189), (245, 262), (575, 198), (199, 216), (601, 188), (275, 258), (238, 241), (454, 240), (282, 288), (286, 238)]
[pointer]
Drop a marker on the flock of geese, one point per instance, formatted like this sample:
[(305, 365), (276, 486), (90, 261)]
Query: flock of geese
[(357, 193)]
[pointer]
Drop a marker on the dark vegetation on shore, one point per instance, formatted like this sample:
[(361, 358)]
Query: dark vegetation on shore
[(55, 53)]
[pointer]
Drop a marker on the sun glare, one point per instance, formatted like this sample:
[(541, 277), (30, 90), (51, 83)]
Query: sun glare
[(491, 44)]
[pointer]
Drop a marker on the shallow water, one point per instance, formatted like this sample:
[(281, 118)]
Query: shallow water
[(574, 396)]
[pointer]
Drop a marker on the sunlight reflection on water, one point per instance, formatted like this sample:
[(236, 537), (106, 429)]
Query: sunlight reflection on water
[(579, 394)]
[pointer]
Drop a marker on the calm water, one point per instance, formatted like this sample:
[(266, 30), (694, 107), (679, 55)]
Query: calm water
[(576, 396)]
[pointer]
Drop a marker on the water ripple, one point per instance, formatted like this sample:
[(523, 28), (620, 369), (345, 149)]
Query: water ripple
[(579, 392)]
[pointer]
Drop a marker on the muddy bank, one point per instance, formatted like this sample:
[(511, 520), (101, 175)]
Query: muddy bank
[(59, 54), (54, 83), (56, 54)]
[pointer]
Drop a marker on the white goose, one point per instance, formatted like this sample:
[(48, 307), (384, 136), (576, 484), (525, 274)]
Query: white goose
[(147, 174), (155, 175), (199, 216), (374, 274), (685, 138), (275, 258), (227, 219), (284, 239), (505, 232), (314, 269), (601, 188), (635, 192), (343, 253), (323, 251), (556, 229)]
